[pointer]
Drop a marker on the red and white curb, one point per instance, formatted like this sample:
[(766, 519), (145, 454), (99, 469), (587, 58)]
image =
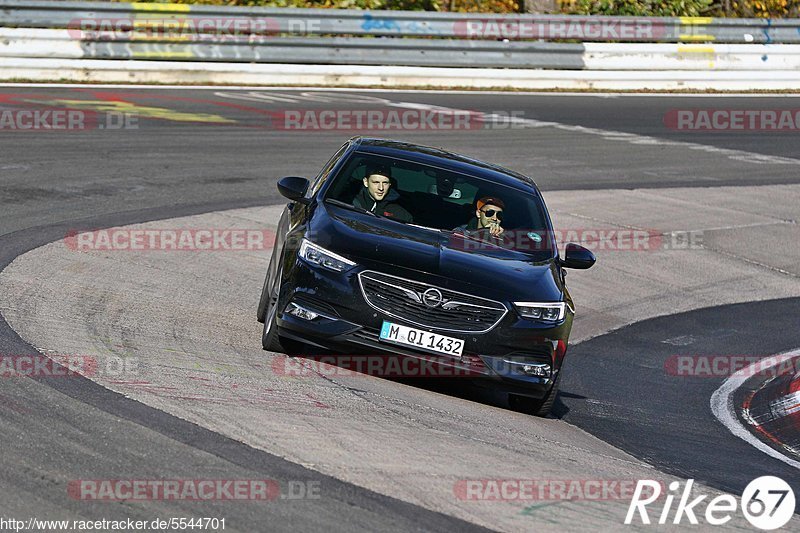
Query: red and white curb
[(722, 405), (773, 411), (785, 405)]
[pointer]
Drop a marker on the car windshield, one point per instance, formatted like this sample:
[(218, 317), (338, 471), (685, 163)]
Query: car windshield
[(441, 199)]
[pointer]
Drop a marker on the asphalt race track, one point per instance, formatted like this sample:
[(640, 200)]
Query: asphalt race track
[(602, 160), (647, 426)]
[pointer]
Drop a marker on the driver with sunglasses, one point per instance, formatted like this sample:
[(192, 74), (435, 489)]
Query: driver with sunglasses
[(488, 216)]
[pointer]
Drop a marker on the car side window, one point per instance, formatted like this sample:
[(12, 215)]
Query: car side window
[(326, 170)]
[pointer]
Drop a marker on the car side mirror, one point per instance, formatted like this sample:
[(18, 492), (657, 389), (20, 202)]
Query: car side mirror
[(576, 256), (294, 188)]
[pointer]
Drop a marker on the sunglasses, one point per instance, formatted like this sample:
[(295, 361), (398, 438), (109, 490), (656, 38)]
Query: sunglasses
[(492, 212)]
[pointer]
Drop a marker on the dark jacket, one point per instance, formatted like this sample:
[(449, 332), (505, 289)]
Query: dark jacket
[(385, 208)]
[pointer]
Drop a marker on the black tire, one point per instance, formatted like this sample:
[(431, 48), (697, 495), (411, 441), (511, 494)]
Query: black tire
[(261, 312), (540, 407), (270, 340)]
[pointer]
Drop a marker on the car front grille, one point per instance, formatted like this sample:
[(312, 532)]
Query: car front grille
[(429, 306)]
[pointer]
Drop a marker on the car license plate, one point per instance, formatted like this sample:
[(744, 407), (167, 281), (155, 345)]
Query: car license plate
[(421, 339)]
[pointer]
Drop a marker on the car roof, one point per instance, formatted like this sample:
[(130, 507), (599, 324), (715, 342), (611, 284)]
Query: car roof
[(445, 159)]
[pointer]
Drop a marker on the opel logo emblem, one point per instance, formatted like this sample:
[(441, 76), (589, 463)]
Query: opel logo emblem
[(432, 298)]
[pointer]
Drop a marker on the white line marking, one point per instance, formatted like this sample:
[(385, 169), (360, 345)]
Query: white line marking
[(723, 409), (494, 118), (736, 155), (611, 135)]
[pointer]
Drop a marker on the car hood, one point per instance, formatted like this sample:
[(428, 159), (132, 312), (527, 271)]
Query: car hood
[(393, 248)]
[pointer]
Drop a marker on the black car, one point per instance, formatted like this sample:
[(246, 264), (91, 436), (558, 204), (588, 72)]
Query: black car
[(428, 285)]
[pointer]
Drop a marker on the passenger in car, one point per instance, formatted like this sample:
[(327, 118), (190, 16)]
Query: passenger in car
[(378, 196), (488, 218)]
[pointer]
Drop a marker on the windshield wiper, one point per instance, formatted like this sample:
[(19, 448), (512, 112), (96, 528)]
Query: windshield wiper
[(351, 207), (463, 233)]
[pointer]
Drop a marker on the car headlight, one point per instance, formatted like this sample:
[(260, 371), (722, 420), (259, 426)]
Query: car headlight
[(317, 255), (546, 312)]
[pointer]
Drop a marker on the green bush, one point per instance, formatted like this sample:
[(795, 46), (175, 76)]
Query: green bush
[(641, 8), (470, 6), (684, 8), (759, 8)]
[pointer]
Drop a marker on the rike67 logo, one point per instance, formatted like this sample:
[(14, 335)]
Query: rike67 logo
[(767, 503)]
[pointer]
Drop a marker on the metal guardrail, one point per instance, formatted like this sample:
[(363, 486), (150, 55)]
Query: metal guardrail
[(24, 42), (156, 18), (58, 44), (202, 35)]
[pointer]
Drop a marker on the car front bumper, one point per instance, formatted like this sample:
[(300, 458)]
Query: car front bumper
[(347, 325)]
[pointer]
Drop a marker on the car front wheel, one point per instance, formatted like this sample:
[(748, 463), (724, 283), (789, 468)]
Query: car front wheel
[(539, 407), (270, 340)]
